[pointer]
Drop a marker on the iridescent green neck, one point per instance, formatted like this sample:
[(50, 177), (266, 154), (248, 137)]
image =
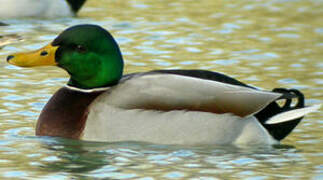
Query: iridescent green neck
[(99, 73)]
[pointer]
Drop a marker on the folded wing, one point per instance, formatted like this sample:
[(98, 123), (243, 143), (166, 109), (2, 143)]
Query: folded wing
[(166, 92)]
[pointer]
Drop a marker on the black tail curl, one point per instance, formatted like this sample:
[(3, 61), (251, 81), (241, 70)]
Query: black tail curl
[(280, 130)]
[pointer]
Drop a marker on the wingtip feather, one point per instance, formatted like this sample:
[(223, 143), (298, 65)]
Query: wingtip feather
[(292, 114)]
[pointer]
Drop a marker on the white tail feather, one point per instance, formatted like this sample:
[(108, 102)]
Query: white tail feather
[(292, 114)]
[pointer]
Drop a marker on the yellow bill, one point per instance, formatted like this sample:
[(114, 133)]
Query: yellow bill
[(42, 57)]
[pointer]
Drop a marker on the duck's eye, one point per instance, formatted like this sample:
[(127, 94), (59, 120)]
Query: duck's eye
[(80, 49), (43, 53)]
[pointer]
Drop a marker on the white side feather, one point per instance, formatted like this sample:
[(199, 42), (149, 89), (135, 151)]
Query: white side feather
[(111, 124), (292, 114)]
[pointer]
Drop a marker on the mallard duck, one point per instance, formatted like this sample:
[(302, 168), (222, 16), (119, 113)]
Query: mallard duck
[(99, 103), (40, 9)]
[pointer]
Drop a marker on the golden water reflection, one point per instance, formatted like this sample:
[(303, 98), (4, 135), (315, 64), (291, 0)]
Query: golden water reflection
[(266, 43)]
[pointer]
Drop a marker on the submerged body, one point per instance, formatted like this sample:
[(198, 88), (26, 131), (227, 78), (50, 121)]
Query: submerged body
[(162, 106)]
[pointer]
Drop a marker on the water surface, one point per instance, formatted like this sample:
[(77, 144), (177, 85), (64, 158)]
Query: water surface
[(266, 43)]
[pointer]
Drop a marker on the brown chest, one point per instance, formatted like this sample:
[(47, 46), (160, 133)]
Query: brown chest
[(65, 113)]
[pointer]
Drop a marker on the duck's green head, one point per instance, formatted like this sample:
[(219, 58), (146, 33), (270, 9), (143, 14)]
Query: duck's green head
[(87, 52)]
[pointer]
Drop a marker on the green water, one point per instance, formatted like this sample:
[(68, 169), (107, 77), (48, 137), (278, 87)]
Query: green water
[(266, 43)]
